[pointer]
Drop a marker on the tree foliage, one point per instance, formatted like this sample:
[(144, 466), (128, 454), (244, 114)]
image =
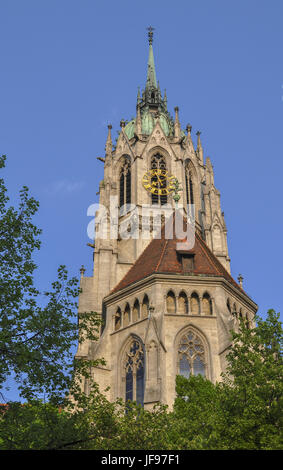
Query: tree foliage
[(38, 330)]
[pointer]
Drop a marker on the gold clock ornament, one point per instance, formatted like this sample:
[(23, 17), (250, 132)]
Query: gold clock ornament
[(157, 181)]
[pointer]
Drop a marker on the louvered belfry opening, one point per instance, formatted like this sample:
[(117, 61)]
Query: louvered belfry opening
[(125, 183)]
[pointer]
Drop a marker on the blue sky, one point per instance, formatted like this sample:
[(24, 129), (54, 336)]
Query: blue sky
[(70, 67)]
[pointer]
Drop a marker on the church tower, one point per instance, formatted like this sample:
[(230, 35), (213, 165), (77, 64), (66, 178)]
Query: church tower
[(168, 304)]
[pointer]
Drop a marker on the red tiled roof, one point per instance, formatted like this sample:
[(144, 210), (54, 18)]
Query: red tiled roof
[(162, 256)]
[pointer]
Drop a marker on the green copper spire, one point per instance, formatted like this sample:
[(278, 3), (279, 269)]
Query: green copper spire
[(151, 76), (151, 107)]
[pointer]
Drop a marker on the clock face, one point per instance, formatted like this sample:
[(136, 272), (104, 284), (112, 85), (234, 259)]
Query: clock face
[(157, 181)]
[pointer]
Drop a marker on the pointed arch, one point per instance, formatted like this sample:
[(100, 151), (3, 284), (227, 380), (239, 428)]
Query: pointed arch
[(145, 306), (183, 305), (192, 353), (136, 311), (206, 304), (117, 319), (170, 302), (125, 182), (133, 370), (194, 304), (127, 315), (191, 186)]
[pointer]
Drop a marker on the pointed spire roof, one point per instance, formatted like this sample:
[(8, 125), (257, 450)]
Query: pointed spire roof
[(151, 75), (151, 102), (162, 256)]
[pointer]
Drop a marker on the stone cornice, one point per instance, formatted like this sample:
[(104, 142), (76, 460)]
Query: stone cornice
[(176, 279)]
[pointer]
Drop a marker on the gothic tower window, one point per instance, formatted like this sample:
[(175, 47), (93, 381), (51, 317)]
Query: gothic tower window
[(189, 184), (145, 307), (206, 304), (117, 321), (183, 304), (158, 162), (134, 372), (127, 315), (136, 311), (171, 302), (191, 355), (195, 310), (125, 182)]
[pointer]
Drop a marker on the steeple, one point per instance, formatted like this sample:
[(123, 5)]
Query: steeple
[(151, 105), (151, 95), (150, 101), (151, 75)]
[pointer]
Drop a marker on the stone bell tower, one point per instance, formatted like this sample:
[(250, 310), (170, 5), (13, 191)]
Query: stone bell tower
[(166, 310)]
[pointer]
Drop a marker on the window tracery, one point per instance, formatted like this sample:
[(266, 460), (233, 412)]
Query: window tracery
[(191, 355), (134, 364)]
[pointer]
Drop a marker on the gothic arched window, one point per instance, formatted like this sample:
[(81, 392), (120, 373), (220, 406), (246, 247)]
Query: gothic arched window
[(118, 317), (183, 303), (190, 190), (189, 185), (136, 311), (206, 304), (195, 304), (134, 364), (158, 163), (145, 307), (191, 355), (171, 302), (127, 315), (125, 182)]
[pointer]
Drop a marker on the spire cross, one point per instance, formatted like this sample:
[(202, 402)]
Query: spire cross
[(150, 34)]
